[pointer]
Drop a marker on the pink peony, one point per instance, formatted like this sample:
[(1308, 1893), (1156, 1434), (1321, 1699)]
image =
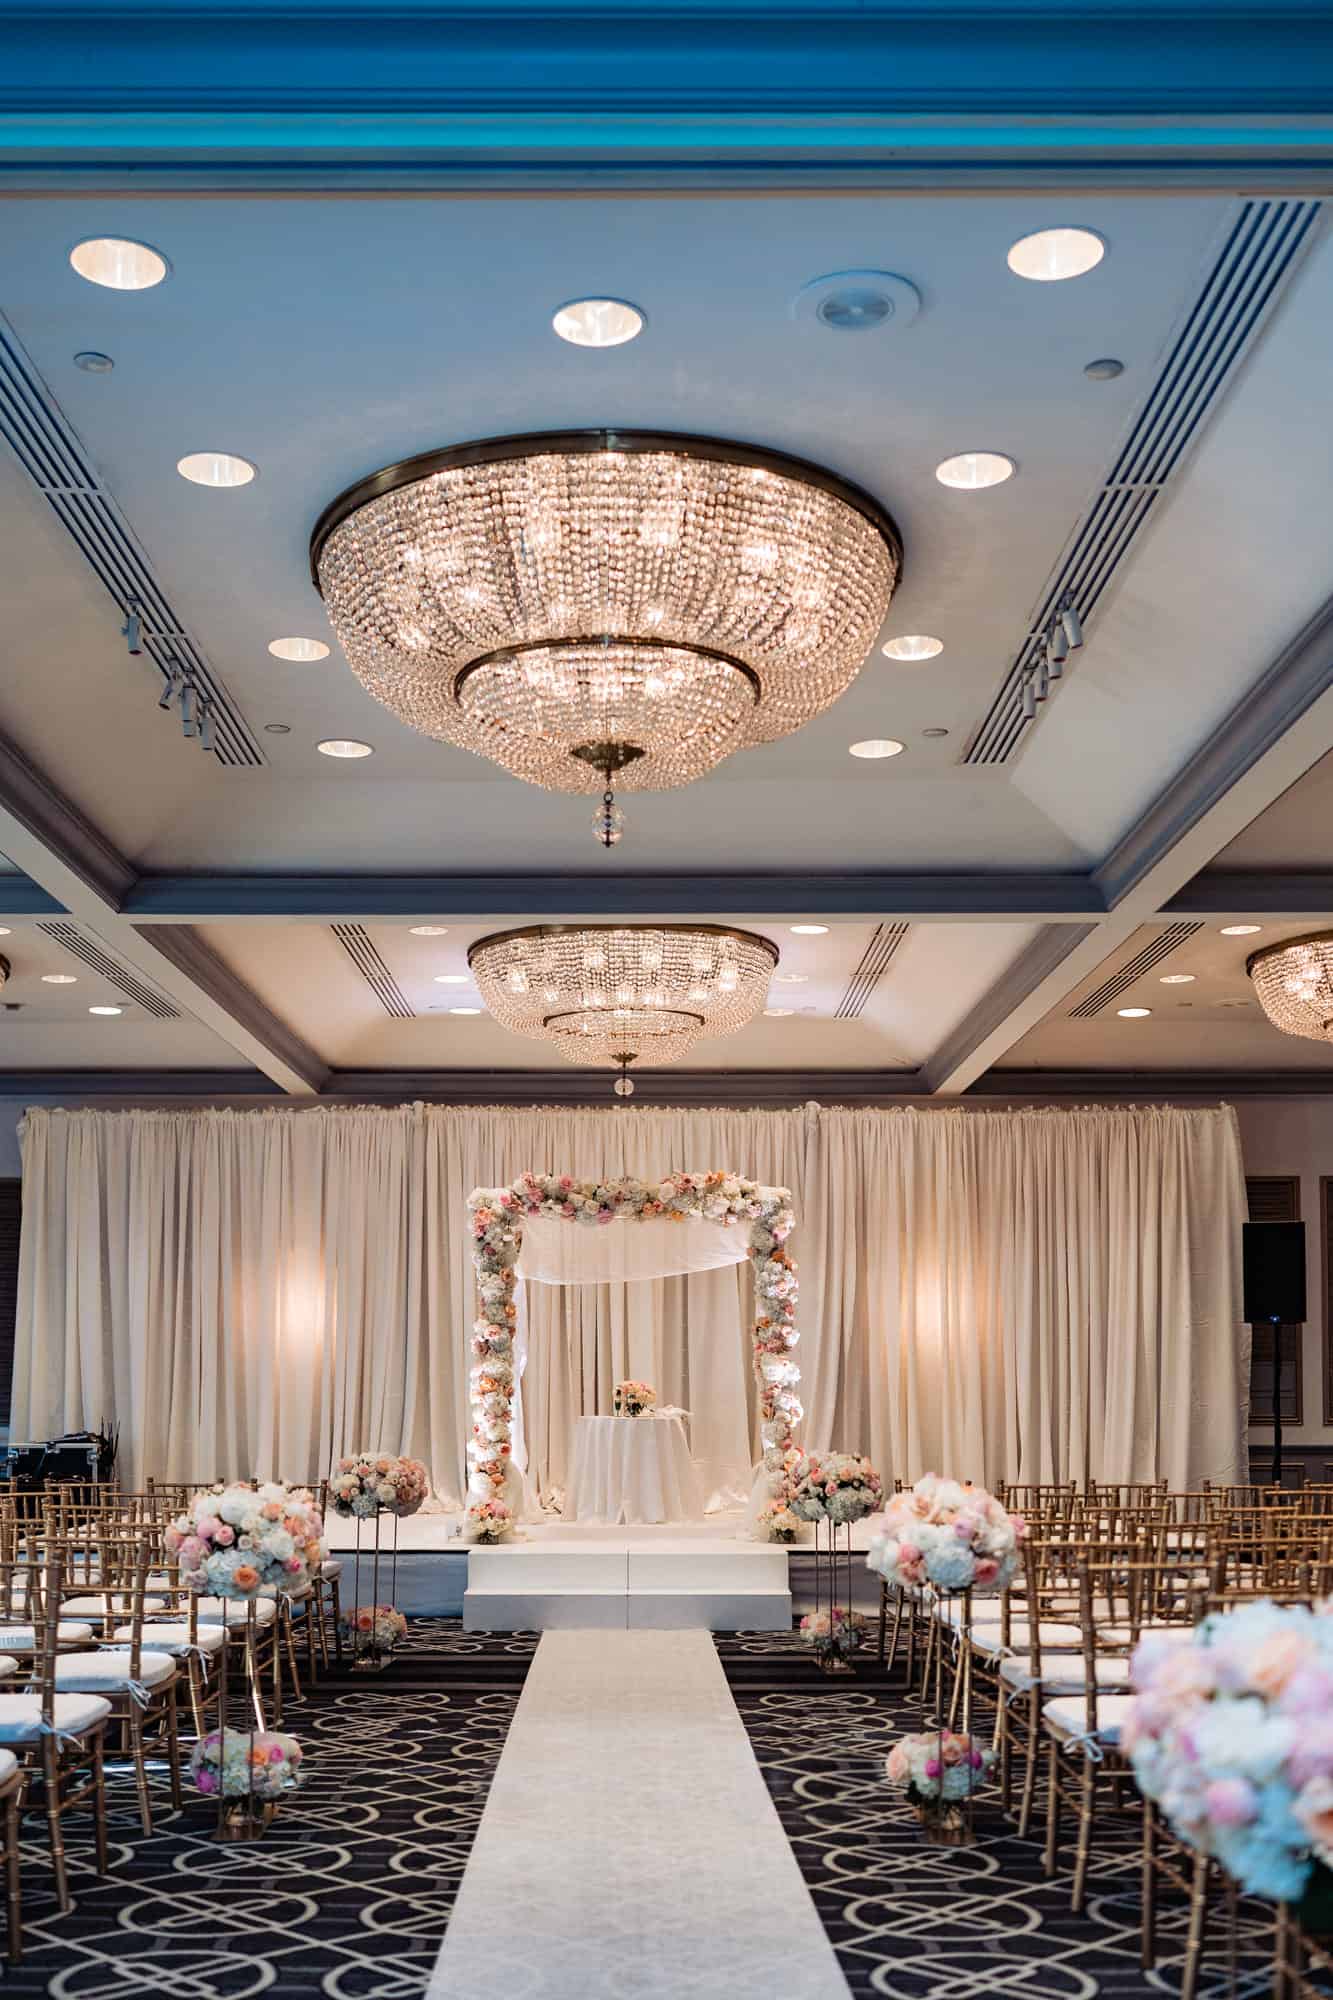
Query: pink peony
[(224, 1536), (933, 1767), (987, 1569), (1230, 1801), (1275, 1661)]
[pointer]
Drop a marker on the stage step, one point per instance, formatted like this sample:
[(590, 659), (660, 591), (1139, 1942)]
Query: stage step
[(740, 1588)]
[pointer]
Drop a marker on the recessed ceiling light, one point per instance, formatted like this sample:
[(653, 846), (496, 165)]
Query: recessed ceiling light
[(914, 646), (60, 979), (1049, 255), (451, 979), (808, 930), (106, 1010), (1240, 930), (119, 263), (93, 363), (971, 470), (1104, 369), (934, 732), (298, 649), (215, 468), (1177, 979), (343, 746), (792, 978), (5, 931), (876, 746), (778, 1013), (598, 322), (430, 930), (277, 728), (1133, 1013), (465, 1010)]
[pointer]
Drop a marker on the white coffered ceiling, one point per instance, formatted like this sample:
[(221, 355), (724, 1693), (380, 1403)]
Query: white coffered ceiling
[(325, 336)]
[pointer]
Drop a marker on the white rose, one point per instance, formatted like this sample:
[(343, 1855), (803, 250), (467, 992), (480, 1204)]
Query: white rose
[(235, 1508)]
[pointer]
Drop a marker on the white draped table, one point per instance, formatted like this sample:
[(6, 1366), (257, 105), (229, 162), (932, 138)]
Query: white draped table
[(634, 1469)]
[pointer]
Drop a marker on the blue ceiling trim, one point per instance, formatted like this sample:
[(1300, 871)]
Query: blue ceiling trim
[(694, 79)]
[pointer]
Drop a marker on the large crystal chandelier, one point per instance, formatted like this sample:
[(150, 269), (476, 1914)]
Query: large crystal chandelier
[(597, 610), (1294, 982), (618, 994)]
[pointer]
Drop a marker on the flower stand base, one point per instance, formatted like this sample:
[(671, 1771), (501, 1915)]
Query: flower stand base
[(246, 1819), (372, 1661), (950, 1827), (834, 1663)]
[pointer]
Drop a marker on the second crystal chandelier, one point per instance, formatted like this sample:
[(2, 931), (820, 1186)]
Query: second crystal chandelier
[(606, 610)]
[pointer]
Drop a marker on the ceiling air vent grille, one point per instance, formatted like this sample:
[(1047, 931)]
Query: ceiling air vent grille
[(875, 962), (359, 947), (1259, 254), (1143, 961), (51, 454), (92, 953)]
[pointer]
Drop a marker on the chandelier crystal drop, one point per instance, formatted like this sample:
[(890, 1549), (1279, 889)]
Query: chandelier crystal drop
[(616, 994), (1294, 984), (598, 610)]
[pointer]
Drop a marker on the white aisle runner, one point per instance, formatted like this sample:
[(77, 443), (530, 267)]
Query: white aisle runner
[(629, 1849)]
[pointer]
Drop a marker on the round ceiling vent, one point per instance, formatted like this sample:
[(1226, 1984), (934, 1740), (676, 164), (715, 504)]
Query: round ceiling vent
[(858, 302)]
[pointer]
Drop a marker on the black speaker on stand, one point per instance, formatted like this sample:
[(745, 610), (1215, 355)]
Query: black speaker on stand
[(1274, 1261)]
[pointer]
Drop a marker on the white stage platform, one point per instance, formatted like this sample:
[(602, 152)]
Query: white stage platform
[(589, 1575)]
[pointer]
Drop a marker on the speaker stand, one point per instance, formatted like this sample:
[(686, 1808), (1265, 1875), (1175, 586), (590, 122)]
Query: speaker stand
[(1277, 1401)]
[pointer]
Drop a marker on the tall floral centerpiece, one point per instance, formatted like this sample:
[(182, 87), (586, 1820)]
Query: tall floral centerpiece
[(370, 1487), (946, 1538), (240, 1541), (1231, 1733), (833, 1490), (496, 1218)]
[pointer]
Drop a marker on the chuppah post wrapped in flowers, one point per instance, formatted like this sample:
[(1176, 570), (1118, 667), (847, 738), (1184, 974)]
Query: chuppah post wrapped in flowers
[(496, 1218), (366, 1487)]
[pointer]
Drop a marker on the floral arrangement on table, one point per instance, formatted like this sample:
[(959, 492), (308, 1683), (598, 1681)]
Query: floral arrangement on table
[(241, 1764), (940, 1770), (632, 1399), (239, 1540), (496, 1218), (835, 1486), (488, 1521), (776, 1522), (835, 1632), (374, 1628), (948, 1533), (1231, 1734), (368, 1483)]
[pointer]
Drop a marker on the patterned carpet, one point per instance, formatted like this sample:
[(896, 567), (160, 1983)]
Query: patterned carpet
[(348, 1893), (911, 1922)]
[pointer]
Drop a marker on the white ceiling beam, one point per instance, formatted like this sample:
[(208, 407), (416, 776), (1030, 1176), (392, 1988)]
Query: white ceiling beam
[(1268, 741), (43, 833)]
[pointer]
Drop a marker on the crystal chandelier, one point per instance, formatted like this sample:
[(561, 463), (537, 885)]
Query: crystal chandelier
[(603, 610), (1294, 982), (617, 994)]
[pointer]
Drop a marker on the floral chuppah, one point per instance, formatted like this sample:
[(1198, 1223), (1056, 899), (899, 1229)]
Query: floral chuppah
[(497, 1216)]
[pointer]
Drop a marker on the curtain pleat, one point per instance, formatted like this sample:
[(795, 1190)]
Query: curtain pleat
[(1039, 1294)]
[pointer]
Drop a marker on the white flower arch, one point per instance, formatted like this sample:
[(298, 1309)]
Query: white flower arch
[(497, 1216)]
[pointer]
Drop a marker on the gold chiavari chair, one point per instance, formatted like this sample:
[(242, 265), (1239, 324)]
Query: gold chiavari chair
[(1302, 1963), (13, 1779), (58, 1736)]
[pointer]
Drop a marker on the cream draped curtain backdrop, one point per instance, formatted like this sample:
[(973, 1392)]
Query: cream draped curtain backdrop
[(1038, 1294)]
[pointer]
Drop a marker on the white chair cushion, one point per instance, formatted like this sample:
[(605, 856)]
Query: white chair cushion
[(330, 1569), (9, 1667), (94, 1606), (21, 1715), (1069, 1715), (9, 1763), (1123, 1635), (1058, 1638), (104, 1672), (230, 1611), (173, 1638), (1063, 1675), (23, 1639)]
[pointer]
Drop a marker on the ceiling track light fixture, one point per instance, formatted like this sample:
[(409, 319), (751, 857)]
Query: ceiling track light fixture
[(602, 611), (1063, 635), (617, 994), (180, 690)]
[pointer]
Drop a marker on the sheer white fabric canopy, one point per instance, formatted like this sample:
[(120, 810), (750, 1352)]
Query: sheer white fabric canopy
[(557, 1252)]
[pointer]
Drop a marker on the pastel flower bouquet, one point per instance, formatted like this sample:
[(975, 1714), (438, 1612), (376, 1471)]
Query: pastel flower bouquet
[(247, 1772), (243, 1541), (834, 1486), (949, 1534), (633, 1399), (776, 1522), (488, 1521), (1231, 1734), (368, 1483), (940, 1770), (834, 1633), (374, 1628)]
